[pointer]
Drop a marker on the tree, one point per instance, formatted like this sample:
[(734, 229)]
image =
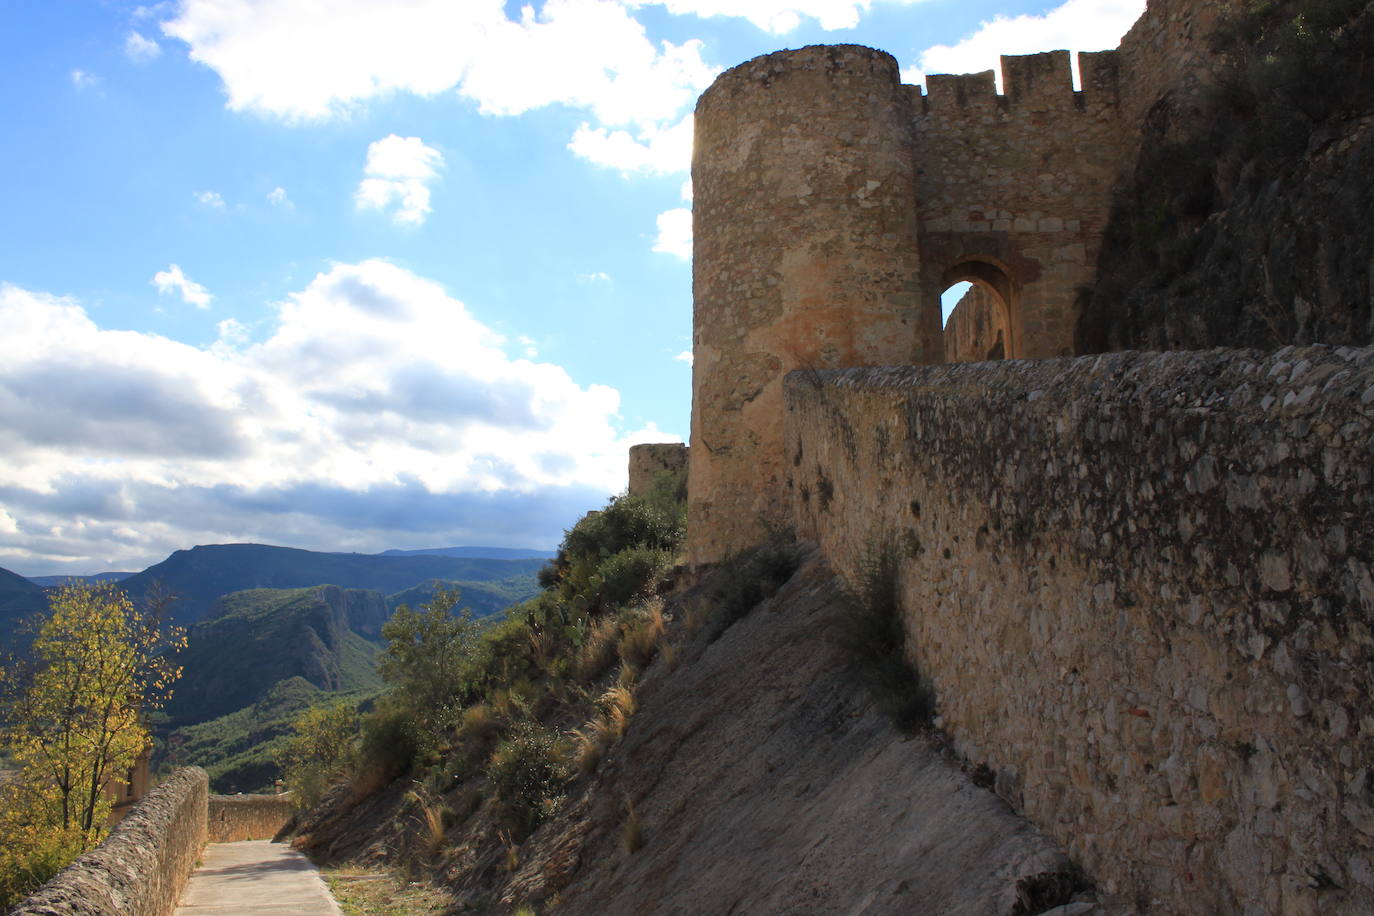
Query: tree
[(72, 716), (320, 751), (427, 655)]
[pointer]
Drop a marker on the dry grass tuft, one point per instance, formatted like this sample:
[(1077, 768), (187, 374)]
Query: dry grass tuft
[(598, 652), (593, 740), (642, 636), (632, 832)]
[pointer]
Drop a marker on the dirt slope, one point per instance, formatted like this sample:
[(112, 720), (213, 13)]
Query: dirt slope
[(766, 781)]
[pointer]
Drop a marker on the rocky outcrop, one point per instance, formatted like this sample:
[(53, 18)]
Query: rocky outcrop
[(142, 865)]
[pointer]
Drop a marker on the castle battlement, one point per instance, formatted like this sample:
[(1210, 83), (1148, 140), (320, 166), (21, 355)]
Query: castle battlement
[(1032, 82)]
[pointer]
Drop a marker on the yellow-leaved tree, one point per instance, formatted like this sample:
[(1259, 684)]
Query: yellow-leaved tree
[(73, 721)]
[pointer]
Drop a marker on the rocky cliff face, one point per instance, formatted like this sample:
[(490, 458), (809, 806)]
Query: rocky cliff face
[(1245, 222)]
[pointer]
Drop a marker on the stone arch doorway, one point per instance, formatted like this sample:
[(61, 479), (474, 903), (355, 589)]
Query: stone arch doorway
[(985, 324)]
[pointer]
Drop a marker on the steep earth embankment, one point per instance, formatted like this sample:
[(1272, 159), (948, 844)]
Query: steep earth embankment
[(764, 779)]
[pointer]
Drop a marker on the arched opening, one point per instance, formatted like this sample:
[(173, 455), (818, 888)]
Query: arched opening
[(977, 313)]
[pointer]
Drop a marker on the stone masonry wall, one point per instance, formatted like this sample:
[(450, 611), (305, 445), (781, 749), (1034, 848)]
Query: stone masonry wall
[(143, 864), (1142, 587), (805, 255), (232, 818), (649, 460), (1015, 188)]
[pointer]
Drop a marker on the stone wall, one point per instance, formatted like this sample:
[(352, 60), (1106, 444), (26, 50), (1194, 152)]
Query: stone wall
[(1014, 190), (649, 460), (248, 817), (1141, 586), (143, 864)]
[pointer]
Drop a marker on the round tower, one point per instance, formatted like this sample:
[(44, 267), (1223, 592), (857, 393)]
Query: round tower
[(804, 236)]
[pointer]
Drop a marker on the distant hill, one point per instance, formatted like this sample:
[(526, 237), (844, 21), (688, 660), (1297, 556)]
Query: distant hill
[(252, 640), (489, 553), (50, 581), (199, 576), (483, 598), (19, 598), (237, 749)]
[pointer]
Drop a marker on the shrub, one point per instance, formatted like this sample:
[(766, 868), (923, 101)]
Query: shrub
[(389, 740), (527, 771), (872, 629), (320, 752), (630, 574)]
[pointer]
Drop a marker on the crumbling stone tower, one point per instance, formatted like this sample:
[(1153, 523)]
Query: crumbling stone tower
[(833, 206)]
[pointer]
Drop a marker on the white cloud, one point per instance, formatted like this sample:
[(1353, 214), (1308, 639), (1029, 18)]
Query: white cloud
[(399, 171), (776, 16), (277, 198), (283, 58), (83, 80), (685, 356), (172, 280), (141, 49), (374, 407), (650, 149), (599, 276), (211, 199), (1079, 25), (675, 233)]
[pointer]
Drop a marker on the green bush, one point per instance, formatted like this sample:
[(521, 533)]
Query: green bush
[(527, 772), (390, 740), (321, 752), (630, 574)]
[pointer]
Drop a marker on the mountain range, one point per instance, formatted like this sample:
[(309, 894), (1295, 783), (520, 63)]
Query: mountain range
[(200, 576)]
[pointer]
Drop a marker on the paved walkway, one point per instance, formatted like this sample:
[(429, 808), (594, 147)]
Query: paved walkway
[(255, 876)]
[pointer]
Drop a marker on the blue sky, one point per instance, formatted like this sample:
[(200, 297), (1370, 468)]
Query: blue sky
[(351, 275)]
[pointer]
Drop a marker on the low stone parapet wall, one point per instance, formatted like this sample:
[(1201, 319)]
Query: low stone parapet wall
[(1142, 586), (233, 818), (143, 864)]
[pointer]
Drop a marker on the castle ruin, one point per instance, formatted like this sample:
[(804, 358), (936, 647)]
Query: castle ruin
[(1140, 585), (834, 205)]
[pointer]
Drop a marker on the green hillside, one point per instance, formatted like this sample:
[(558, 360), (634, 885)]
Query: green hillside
[(252, 640), (237, 749), (484, 599), (201, 575)]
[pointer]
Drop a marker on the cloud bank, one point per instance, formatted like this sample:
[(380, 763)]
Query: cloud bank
[(376, 412)]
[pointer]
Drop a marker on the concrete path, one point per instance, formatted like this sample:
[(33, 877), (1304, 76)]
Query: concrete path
[(255, 876)]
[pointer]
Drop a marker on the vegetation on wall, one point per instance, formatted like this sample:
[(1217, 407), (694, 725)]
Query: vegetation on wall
[(1237, 228), (73, 724)]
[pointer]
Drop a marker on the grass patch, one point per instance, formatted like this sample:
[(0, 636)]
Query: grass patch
[(377, 892), (872, 629)]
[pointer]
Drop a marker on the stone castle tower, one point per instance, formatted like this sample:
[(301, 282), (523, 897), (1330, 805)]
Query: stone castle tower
[(834, 205)]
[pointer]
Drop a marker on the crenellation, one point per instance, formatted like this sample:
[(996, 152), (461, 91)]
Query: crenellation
[(1099, 73), (962, 90), (1041, 81)]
